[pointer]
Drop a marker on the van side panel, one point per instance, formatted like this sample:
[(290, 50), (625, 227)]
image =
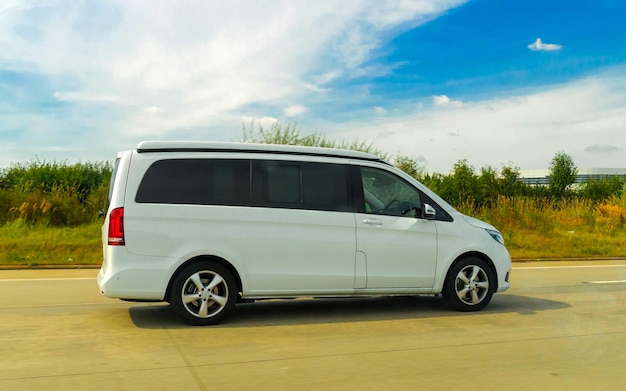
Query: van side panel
[(278, 251)]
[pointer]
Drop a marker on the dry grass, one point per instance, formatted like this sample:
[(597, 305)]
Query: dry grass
[(532, 229), (539, 228)]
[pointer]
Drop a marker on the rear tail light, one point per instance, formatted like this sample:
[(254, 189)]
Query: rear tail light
[(116, 227)]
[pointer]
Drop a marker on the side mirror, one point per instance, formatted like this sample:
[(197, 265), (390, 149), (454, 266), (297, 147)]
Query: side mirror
[(429, 212)]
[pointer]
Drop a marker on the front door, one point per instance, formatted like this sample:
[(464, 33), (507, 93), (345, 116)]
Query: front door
[(400, 247)]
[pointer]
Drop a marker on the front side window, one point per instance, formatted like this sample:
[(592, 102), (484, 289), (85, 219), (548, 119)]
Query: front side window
[(387, 194)]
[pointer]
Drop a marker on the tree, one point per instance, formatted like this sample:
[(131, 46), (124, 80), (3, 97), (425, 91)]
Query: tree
[(510, 184), (289, 134), (599, 190), (461, 186), (410, 166), (488, 187), (563, 174)]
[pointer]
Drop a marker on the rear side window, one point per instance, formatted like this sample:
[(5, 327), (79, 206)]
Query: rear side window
[(301, 185), (196, 181), (116, 164), (282, 184)]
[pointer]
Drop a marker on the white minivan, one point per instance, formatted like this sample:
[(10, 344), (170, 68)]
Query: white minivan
[(204, 225)]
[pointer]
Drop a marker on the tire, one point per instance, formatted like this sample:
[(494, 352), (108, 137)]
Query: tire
[(469, 285), (204, 293)]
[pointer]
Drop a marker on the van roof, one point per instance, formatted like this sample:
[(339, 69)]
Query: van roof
[(215, 146)]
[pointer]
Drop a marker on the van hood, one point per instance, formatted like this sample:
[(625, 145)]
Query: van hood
[(478, 223)]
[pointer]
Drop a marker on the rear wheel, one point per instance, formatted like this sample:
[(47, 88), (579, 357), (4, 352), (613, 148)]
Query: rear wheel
[(204, 293), (469, 285)]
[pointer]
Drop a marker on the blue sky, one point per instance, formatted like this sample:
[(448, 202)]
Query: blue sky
[(491, 81)]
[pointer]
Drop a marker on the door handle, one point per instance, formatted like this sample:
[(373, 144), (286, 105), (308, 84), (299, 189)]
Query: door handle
[(372, 222)]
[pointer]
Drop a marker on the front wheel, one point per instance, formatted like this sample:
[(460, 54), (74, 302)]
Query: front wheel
[(469, 285), (204, 293)]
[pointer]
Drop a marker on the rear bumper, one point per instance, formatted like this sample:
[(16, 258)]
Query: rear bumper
[(127, 276)]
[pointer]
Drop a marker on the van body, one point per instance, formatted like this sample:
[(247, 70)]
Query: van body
[(203, 225)]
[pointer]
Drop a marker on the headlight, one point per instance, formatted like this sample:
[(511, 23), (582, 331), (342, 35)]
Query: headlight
[(497, 236)]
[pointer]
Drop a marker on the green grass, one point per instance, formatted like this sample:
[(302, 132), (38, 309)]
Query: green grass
[(24, 244), (533, 229), (48, 210)]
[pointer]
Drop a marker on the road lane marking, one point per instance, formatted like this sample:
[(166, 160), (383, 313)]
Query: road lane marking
[(565, 267)]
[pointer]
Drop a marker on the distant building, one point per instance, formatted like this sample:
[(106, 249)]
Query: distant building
[(541, 177)]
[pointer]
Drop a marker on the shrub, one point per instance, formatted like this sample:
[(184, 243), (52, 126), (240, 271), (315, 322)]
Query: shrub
[(53, 193)]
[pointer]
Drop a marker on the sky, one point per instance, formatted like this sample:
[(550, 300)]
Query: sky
[(495, 82)]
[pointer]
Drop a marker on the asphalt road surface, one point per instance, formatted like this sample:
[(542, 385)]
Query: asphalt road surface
[(561, 327)]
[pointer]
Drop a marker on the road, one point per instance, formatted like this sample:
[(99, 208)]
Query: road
[(561, 327)]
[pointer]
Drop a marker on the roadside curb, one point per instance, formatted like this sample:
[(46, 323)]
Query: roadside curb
[(590, 259), (47, 267)]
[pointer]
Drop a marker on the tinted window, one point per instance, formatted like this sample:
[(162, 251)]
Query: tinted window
[(301, 185), (196, 181), (282, 184)]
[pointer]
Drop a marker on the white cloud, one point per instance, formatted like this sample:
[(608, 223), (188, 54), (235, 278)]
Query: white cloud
[(538, 45), (295, 110), (380, 110), (527, 128), (152, 109), (157, 69), (265, 122), (314, 88), (197, 66), (327, 77), (387, 13), (444, 101), (84, 96)]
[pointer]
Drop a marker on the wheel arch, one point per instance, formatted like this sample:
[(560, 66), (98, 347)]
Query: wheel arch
[(201, 258), (470, 254)]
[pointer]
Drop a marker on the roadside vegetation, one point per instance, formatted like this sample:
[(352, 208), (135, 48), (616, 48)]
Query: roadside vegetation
[(49, 210)]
